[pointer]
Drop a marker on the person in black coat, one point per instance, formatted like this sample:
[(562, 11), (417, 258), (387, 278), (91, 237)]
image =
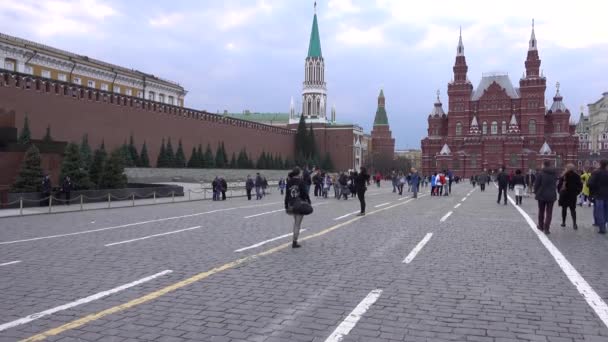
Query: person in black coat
[(546, 194), (503, 182), (46, 190), (223, 188), (519, 185), (570, 186), (66, 188), (248, 187), (296, 188), (598, 190), (361, 183)]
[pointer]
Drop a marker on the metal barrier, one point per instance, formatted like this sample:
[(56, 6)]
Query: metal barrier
[(54, 202)]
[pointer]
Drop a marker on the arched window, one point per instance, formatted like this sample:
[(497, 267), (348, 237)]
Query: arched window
[(484, 128), (458, 128), (557, 127), (504, 127), (532, 127), (309, 111), (494, 127)]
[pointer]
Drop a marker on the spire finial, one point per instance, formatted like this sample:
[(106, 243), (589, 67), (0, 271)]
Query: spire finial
[(460, 49), (532, 45), (438, 92), (316, 8), (557, 86), (582, 109)]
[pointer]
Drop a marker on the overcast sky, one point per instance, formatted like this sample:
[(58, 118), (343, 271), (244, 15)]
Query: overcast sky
[(238, 55)]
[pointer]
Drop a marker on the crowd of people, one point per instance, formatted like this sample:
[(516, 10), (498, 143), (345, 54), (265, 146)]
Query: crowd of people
[(569, 187)]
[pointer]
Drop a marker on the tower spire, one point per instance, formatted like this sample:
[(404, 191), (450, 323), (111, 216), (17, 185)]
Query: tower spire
[(314, 46), (460, 49), (532, 44)]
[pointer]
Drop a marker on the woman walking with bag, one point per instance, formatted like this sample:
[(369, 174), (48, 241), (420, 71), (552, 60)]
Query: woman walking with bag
[(569, 185), (297, 202)]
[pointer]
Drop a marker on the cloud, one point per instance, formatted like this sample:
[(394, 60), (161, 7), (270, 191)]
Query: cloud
[(338, 8), (563, 23), (355, 36), (57, 17), (166, 20)]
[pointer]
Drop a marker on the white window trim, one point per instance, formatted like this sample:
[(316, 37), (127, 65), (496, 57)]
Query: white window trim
[(77, 80), (45, 73), (91, 84), (104, 87), (128, 92), (62, 77)]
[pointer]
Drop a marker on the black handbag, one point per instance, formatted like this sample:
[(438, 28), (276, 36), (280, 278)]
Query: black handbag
[(300, 207)]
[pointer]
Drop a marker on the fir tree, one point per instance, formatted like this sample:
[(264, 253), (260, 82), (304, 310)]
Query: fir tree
[(312, 145), (113, 176), (279, 163), (73, 166), (242, 161), (47, 136), (96, 169), (327, 164), (200, 157), (26, 135), (144, 160), (261, 164), (85, 152), (301, 139), (133, 152), (288, 163), (209, 160), (193, 162), (30, 175), (233, 161), (126, 155), (169, 155), (180, 157), (161, 161), (220, 161)]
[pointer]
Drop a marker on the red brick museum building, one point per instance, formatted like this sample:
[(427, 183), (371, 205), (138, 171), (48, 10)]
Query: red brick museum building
[(498, 124)]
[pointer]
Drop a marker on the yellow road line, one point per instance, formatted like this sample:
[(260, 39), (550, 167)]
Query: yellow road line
[(200, 276)]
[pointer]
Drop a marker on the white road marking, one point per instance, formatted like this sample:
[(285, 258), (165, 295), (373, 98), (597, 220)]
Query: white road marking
[(402, 198), (268, 212), (382, 205), (266, 241), (347, 215), (417, 249), (445, 217), (593, 299), (10, 263), (80, 301), (279, 210), (134, 224), (463, 199), (351, 320), (457, 205), (152, 236)]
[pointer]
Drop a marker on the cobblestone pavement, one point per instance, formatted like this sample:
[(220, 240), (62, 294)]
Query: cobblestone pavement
[(457, 268)]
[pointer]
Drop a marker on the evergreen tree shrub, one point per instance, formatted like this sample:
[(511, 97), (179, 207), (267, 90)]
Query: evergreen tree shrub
[(113, 176), (180, 157), (144, 160), (29, 178), (25, 136), (73, 167)]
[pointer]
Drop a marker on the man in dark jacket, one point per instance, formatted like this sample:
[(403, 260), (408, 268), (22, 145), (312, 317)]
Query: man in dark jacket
[(503, 182), (223, 188), (598, 189), (46, 190), (248, 187), (66, 188), (259, 182), (307, 179), (545, 189)]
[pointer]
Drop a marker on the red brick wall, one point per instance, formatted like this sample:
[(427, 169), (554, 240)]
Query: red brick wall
[(10, 163), (114, 118)]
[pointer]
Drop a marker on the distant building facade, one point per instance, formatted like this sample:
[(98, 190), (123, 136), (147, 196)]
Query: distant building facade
[(497, 124), (414, 155), (27, 57), (592, 132)]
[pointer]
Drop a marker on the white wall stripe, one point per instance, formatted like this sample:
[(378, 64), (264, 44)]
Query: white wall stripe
[(445, 217), (593, 299), (417, 249), (134, 224), (266, 241), (80, 301), (151, 236), (351, 320)]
